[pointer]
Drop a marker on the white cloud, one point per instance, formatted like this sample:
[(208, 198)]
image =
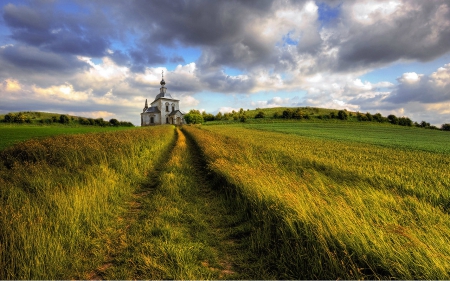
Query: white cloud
[(227, 109), (409, 78), (93, 114), (10, 85), (64, 92)]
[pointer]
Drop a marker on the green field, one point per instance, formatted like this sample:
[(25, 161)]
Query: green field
[(274, 200), (411, 138), (12, 134)]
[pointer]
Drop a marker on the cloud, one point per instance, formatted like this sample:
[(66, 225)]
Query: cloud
[(374, 33), (61, 93), (422, 88), (30, 59)]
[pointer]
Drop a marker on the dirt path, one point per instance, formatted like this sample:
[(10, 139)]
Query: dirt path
[(180, 226)]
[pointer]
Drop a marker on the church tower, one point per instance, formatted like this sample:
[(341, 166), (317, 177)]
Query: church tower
[(163, 110)]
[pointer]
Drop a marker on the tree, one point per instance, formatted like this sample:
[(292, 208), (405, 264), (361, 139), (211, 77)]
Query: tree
[(260, 114), (424, 124), (287, 114), (445, 127), (297, 114), (218, 116), (405, 121), (10, 117), (378, 117), (193, 117), (114, 122), (342, 115), (63, 119), (393, 119)]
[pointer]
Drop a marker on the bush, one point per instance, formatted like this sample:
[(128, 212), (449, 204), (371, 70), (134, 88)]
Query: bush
[(405, 121), (342, 115), (297, 114), (445, 127), (193, 117), (287, 114), (393, 119), (63, 119), (114, 122), (9, 118), (84, 121), (260, 114)]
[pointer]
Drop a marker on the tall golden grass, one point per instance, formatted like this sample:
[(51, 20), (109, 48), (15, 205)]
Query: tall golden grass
[(328, 209), (61, 198)]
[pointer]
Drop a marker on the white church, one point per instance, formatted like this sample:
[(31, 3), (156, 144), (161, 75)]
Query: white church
[(163, 110)]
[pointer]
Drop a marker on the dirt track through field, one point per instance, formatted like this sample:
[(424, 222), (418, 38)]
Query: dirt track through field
[(179, 226)]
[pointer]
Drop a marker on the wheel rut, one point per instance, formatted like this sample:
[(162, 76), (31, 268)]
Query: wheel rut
[(180, 226)]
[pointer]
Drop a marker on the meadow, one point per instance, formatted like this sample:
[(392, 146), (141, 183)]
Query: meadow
[(13, 133), (284, 200), (327, 208), (61, 198)]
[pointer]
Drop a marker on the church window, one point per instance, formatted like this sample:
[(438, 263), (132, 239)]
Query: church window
[(173, 107), (167, 108), (167, 120), (152, 120)]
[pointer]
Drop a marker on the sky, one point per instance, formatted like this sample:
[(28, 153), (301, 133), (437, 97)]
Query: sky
[(104, 58)]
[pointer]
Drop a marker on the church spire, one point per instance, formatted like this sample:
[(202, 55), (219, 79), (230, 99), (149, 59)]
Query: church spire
[(163, 89), (146, 105)]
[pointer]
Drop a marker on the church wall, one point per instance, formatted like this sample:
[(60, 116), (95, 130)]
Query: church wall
[(146, 118)]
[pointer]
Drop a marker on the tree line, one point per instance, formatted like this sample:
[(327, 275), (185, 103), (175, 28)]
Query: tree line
[(22, 117), (197, 117)]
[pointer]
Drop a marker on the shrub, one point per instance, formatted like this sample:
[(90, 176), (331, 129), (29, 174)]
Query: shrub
[(193, 117), (63, 119), (9, 118), (342, 115), (445, 127), (114, 122), (297, 114), (84, 121), (260, 114), (393, 119), (405, 121), (287, 114)]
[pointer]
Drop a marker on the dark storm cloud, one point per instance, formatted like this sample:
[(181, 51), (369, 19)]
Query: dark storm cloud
[(43, 27), (426, 90), (219, 28), (32, 60), (420, 32)]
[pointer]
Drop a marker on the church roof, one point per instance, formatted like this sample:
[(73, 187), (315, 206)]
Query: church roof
[(152, 109), (175, 112), (164, 95)]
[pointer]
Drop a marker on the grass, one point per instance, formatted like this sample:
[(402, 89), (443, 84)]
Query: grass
[(179, 227), (288, 200), (60, 198), (11, 134), (409, 138), (325, 208)]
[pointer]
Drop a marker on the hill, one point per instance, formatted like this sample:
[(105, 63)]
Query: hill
[(308, 114), (33, 117)]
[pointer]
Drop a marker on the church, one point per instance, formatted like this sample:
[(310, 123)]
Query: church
[(163, 110)]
